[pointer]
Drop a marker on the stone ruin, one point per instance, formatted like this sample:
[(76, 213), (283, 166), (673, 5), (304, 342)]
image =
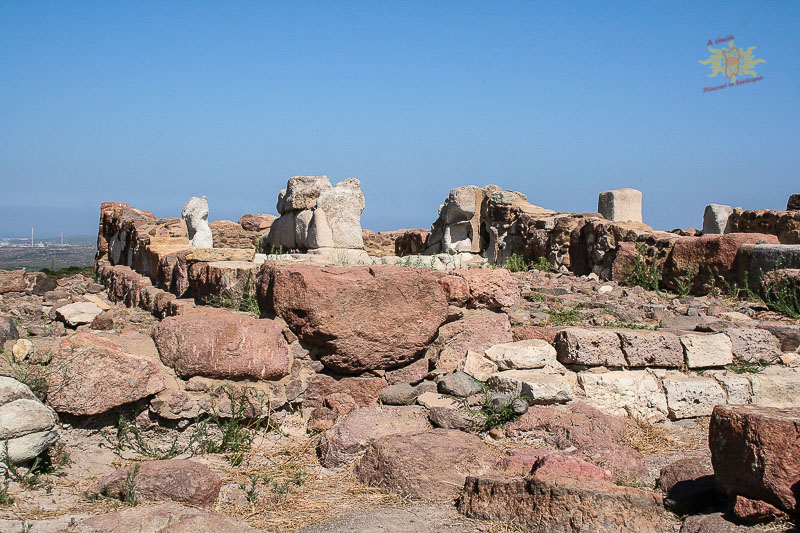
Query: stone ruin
[(381, 365)]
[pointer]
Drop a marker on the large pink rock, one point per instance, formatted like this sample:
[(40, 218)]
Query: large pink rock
[(230, 279), (363, 391), (218, 343), (362, 318), (709, 256), (756, 453), (165, 518), (12, 281), (92, 373), (178, 480), (259, 223), (477, 330), (348, 439), (428, 466)]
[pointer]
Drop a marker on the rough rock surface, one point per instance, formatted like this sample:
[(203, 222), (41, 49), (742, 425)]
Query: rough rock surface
[(26, 424), (342, 205), (96, 372), (363, 391), (756, 453), (165, 518), (361, 318), (687, 485), (428, 466), (589, 347), (218, 343), (562, 503), (703, 351), (12, 281), (78, 313), (522, 355), (8, 330), (477, 331), (178, 480), (347, 439)]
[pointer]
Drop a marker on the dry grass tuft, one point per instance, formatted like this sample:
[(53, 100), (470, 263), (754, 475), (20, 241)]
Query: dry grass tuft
[(649, 439)]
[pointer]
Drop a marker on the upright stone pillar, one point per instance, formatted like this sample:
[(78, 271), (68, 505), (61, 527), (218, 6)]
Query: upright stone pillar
[(621, 205), (715, 219)]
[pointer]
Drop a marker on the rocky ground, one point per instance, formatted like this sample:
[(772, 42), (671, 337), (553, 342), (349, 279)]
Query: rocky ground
[(150, 438)]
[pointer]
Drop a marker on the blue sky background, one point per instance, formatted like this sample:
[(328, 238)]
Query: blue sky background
[(153, 102)]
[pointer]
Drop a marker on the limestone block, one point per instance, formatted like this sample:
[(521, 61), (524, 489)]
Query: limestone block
[(704, 351), (621, 205), (26, 424), (343, 205), (625, 393), (525, 354), (692, 396), (195, 214), (591, 347), (302, 222), (319, 232), (477, 366), (794, 203), (540, 388), (462, 204), (303, 192), (282, 232), (715, 218), (457, 238), (78, 313), (737, 387), (651, 348), (776, 386)]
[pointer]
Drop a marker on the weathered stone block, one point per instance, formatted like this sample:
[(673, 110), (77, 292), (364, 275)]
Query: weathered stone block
[(704, 351), (591, 347), (525, 354), (651, 348), (623, 205), (715, 218), (539, 388), (690, 396), (626, 393)]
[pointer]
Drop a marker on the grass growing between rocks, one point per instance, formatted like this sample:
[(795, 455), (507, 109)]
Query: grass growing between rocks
[(642, 272), (650, 439), (742, 366), (69, 271), (564, 317), (783, 296), (246, 303)]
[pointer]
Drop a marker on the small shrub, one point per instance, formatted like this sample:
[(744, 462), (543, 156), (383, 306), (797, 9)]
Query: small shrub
[(5, 497), (247, 302), (497, 417), (564, 317), (252, 491), (742, 366), (783, 296), (541, 264), (129, 487), (130, 437), (68, 271), (685, 283), (515, 263), (626, 325), (642, 273)]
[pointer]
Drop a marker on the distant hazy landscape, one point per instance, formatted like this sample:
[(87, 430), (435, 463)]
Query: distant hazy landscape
[(77, 250)]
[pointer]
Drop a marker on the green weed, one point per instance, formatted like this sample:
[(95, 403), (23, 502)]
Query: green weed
[(741, 366), (541, 264), (515, 263), (783, 296), (5, 497), (564, 317), (129, 487), (642, 273)]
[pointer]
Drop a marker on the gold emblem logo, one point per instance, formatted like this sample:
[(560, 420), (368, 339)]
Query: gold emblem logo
[(731, 61)]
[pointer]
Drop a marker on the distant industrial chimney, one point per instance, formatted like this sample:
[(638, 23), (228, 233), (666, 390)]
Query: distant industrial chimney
[(31, 237)]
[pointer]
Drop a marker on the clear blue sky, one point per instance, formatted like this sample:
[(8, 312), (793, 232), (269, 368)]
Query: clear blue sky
[(153, 102)]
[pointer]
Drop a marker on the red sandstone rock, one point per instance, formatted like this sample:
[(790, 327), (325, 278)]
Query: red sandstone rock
[(12, 281), (178, 480), (412, 373), (228, 234), (410, 242), (456, 288), (756, 453), (257, 222), (490, 287), (363, 391), (598, 437), (687, 485), (707, 256), (557, 464), (562, 503), (94, 373), (428, 466), (754, 511), (345, 441), (362, 318), (545, 333), (230, 279), (218, 343), (477, 330), (165, 518)]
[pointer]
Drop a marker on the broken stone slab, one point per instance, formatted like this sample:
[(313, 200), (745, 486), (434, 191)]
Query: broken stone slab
[(621, 205), (477, 366), (399, 394), (219, 254), (715, 218), (76, 314), (430, 400), (564, 503), (691, 396), (651, 348), (705, 351), (458, 384), (634, 393), (536, 387), (738, 388), (195, 214), (521, 355), (591, 347), (755, 454)]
